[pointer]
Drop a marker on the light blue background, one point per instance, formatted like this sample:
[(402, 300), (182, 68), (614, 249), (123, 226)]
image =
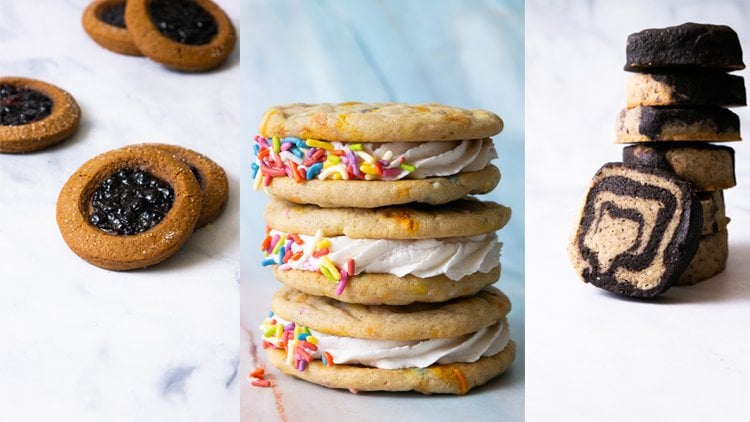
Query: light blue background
[(466, 54)]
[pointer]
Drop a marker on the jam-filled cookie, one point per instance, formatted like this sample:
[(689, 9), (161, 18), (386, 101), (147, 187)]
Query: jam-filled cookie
[(129, 208), (210, 176), (34, 115), (190, 35), (104, 21)]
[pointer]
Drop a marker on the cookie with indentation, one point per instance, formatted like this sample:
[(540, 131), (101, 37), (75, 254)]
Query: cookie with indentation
[(704, 123), (379, 122), (690, 45), (707, 167), (464, 217), (129, 208), (211, 178), (638, 230), (686, 88), (379, 193), (453, 378), (188, 35), (104, 21), (709, 260), (472, 347), (34, 115)]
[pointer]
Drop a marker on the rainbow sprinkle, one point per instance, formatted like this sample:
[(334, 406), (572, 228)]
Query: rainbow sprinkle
[(300, 344), (289, 251), (314, 159)]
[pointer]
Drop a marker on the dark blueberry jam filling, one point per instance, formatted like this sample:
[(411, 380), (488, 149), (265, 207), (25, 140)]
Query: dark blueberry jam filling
[(183, 21), (130, 201), (114, 15), (19, 106)]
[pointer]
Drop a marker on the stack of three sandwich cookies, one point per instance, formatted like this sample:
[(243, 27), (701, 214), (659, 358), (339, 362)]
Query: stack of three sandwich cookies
[(681, 93), (387, 265), (658, 219)]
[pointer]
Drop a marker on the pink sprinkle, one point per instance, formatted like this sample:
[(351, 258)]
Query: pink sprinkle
[(274, 241), (301, 365), (285, 267), (342, 283), (260, 383), (285, 146)]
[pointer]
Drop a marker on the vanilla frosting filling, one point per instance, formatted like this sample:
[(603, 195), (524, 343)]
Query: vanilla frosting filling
[(445, 158), (389, 354), (454, 257)]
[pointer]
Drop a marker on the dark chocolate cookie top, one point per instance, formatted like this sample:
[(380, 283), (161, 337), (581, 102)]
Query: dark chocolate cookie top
[(183, 21), (114, 15), (20, 106), (130, 201), (687, 45)]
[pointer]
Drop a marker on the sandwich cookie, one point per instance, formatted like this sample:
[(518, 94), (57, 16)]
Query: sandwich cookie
[(34, 115), (447, 348), (704, 123), (638, 231), (372, 155), (709, 260), (690, 45), (685, 88), (129, 208), (707, 167), (104, 21), (188, 35), (210, 176), (391, 255)]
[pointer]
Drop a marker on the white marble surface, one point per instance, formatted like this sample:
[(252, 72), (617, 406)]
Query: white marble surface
[(468, 54), (85, 344), (592, 356)]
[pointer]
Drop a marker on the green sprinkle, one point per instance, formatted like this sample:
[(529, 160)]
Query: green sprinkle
[(276, 144), (326, 272), (356, 147), (270, 332), (408, 167)]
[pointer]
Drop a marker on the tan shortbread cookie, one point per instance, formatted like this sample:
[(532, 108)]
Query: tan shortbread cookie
[(210, 176), (464, 217), (379, 193), (104, 21), (454, 378), (685, 88), (711, 258), (379, 122), (706, 166), (416, 321), (388, 289), (714, 212), (60, 124)]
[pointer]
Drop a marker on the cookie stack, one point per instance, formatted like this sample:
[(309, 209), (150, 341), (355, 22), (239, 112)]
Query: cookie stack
[(658, 219), (387, 264)]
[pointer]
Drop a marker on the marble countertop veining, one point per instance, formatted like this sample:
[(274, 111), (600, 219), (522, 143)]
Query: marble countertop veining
[(597, 357), (85, 344), (468, 54)]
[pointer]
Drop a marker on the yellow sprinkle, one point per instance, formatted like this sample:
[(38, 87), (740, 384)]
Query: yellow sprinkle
[(323, 244), (327, 164), (319, 144), (279, 330), (335, 159), (258, 180), (355, 147), (326, 261), (312, 339), (336, 176), (368, 169)]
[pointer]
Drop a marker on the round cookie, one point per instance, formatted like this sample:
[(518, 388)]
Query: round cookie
[(210, 176), (647, 124), (34, 115), (685, 88), (377, 193), (707, 167), (454, 378), (388, 289), (181, 34), (714, 212), (379, 122), (684, 46), (711, 258), (638, 230), (112, 212), (464, 217), (104, 21), (415, 321)]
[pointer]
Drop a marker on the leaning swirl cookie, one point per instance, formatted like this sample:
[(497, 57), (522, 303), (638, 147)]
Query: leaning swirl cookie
[(446, 348), (392, 255), (372, 155)]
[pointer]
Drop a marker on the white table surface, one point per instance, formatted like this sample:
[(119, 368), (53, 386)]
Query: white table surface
[(468, 54), (593, 356), (81, 343)]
